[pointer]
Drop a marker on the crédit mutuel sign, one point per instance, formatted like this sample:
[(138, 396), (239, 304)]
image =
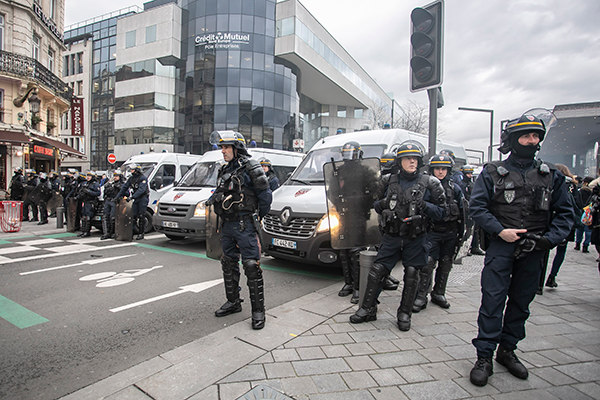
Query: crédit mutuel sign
[(222, 40)]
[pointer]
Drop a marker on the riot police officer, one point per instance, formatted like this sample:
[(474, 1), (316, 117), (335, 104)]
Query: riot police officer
[(522, 205), (242, 197), (455, 175), (32, 181), (140, 192), (88, 193), (466, 185), (111, 190), (442, 237), (46, 194), (17, 185), (266, 165), (410, 200)]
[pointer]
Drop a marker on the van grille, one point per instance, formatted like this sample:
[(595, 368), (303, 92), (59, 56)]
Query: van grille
[(180, 209), (299, 228)]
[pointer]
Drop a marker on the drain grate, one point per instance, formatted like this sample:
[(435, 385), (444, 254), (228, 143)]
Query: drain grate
[(262, 392)]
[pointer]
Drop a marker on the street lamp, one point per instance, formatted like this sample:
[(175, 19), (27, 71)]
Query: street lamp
[(491, 126), (34, 103)]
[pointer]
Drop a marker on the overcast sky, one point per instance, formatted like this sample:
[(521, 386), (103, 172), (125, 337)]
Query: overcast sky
[(504, 55)]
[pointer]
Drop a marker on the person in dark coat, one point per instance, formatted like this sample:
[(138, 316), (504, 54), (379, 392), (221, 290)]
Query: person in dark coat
[(17, 185), (88, 194), (266, 165), (137, 188), (32, 181), (584, 232)]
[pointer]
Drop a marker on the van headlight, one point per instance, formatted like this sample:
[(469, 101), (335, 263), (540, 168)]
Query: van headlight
[(155, 209), (200, 210), (327, 222)]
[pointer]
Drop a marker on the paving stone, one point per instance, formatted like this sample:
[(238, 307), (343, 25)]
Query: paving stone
[(335, 351), (322, 329), (388, 393), (429, 342), (387, 377), (435, 355), (535, 359), (537, 394), (279, 370), (383, 346), (583, 326), (557, 356), (129, 393), (545, 319), (476, 391), (591, 389), (585, 338), (233, 390), (406, 344), (414, 373), (440, 371), (248, 373), (209, 393), (553, 376), (353, 395), (505, 382), (285, 355), (584, 372), (568, 392), (358, 380), (359, 363), (317, 367), (343, 326), (310, 353), (308, 341), (398, 359), (267, 358), (460, 352), (435, 329), (339, 338), (436, 390), (329, 383), (450, 340), (298, 386), (371, 336), (578, 354), (358, 349)]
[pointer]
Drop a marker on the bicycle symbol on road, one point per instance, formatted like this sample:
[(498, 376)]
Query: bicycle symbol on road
[(110, 279)]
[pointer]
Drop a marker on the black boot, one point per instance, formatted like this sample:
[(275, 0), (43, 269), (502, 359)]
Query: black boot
[(368, 311), (577, 246), (475, 250), (551, 282), (388, 284), (257, 292), (355, 299), (509, 359), (411, 284), (231, 279), (585, 249), (112, 228), (347, 270), (86, 226), (438, 296), (481, 371), (424, 282), (141, 222), (105, 228)]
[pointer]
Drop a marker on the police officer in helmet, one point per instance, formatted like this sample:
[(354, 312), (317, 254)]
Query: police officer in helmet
[(409, 201), (455, 175), (17, 184), (442, 238), (466, 185), (522, 205), (88, 194), (266, 165), (46, 194), (242, 197), (137, 184), (111, 190)]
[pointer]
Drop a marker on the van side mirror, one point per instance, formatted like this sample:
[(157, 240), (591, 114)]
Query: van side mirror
[(156, 183)]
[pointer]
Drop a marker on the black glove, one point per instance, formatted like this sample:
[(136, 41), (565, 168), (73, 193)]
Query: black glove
[(543, 244), (209, 202), (387, 216)]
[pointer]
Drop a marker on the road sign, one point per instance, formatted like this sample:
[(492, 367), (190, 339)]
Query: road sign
[(111, 158)]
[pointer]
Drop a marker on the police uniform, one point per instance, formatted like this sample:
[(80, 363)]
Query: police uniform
[(519, 193), (466, 186), (17, 185), (87, 194), (441, 240), (111, 190), (242, 197), (140, 192), (46, 194), (271, 177), (410, 200), (32, 183)]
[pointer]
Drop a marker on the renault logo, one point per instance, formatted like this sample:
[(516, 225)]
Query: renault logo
[(285, 216), (171, 210)]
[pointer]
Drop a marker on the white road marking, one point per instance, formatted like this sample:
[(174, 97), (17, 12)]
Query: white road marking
[(88, 262), (49, 255), (37, 242), (72, 248), (196, 288), (18, 249)]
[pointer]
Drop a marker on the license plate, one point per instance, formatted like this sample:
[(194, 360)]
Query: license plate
[(288, 244), (169, 224)]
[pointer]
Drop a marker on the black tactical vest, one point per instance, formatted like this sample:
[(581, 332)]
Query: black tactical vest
[(404, 204), (522, 202), (231, 196), (136, 182), (453, 211)]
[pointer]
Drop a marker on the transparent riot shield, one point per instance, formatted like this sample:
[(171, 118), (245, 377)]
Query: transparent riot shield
[(123, 220), (54, 202), (464, 241), (213, 234), (36, 195), (352, 187), (71, 214)]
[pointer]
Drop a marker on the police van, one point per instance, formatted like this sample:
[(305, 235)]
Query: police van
[(162, 171), (297, 227), (180, 212)]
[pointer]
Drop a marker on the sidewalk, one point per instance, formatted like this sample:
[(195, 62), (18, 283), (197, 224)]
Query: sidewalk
[(308, 350)]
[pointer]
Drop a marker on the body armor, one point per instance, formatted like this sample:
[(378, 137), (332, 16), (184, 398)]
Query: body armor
[(453, 214), (522, 201), (408, 219), (111, 190), (232, 197), (136, 181)]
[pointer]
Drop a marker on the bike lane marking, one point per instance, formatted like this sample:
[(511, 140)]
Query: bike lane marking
[(88, 262), (5, 260), (18, 315)]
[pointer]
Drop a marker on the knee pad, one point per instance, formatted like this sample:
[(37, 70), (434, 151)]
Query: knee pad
[(228, 264), (252, 269), (378, 272), (410, 273)]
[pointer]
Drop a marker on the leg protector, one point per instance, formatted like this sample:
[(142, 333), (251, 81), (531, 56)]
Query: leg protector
[(347, 270), (354, 259), (438, 296), (424, 282), (257, 292), (105, 228), (368, 311), (112, 228), (411, 284), (86, 226), (141, 223), (231, 278)]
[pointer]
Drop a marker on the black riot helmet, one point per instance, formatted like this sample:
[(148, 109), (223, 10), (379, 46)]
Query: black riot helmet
[(387, 162), (440, 161), (351, 151), (231, 138), (135, 169), (411, 148), (265, 162), (467, 169), (537, 120), (449, 153)]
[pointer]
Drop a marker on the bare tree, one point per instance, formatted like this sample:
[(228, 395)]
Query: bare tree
[(412, 116)]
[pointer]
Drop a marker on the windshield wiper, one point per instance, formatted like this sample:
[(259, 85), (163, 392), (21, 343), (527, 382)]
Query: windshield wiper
[(300, 180)]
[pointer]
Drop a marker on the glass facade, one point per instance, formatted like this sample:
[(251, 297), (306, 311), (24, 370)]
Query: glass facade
[(231, 78)]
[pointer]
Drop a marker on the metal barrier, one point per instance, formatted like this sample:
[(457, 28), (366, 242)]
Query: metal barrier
[(11, 214)]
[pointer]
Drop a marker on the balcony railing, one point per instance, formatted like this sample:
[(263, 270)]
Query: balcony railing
[(16, 64)]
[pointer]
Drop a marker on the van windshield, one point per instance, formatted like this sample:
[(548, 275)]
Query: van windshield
[(310, 171), (147, 168), (203, 174)]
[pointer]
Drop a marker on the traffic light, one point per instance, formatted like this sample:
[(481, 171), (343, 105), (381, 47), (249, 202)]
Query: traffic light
[(426, 46)]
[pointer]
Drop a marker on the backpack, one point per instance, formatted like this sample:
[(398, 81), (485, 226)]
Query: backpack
[(586, 215)]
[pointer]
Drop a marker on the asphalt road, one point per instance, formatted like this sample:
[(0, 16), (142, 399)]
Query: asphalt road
[(77, 310)]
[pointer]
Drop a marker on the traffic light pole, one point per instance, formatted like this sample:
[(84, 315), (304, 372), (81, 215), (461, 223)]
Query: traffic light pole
[(433, 106)]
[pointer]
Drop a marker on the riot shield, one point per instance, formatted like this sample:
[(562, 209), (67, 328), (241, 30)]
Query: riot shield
[(352, 187), (36, 195), (464, 241), (123, 220), (214, 249), (71, 214), (26, 193), (55, 201)]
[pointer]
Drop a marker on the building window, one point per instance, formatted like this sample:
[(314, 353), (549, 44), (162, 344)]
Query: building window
[(151, 34), (66, 66), (79, 88), (324, 111), (1, 105), (53, 9), (35, 51), (358, 113), (341, 111), (80, 63), (51, 60), (1, 32), (130, 39)]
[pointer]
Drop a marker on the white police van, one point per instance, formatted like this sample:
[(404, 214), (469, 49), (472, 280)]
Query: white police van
[(180, 212), (297, 227)]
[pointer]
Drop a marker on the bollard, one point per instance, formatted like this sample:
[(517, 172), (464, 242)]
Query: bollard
[(60, 212), (366, 260)]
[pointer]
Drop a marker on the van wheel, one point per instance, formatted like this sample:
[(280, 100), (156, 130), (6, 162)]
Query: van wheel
[(173, 237), (149, 228)]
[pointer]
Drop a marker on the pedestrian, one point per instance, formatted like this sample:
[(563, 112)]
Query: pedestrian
[(584, 232), (32, 181), (17, 185), (46, 194), (595, 204), (241, 198), (111, 190), (442, 238), (137, 188), (521, 203), (266, 165), (88, 196), (410, 199)]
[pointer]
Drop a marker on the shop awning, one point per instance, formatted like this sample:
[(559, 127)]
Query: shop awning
[(59, 145), (13, 137)]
